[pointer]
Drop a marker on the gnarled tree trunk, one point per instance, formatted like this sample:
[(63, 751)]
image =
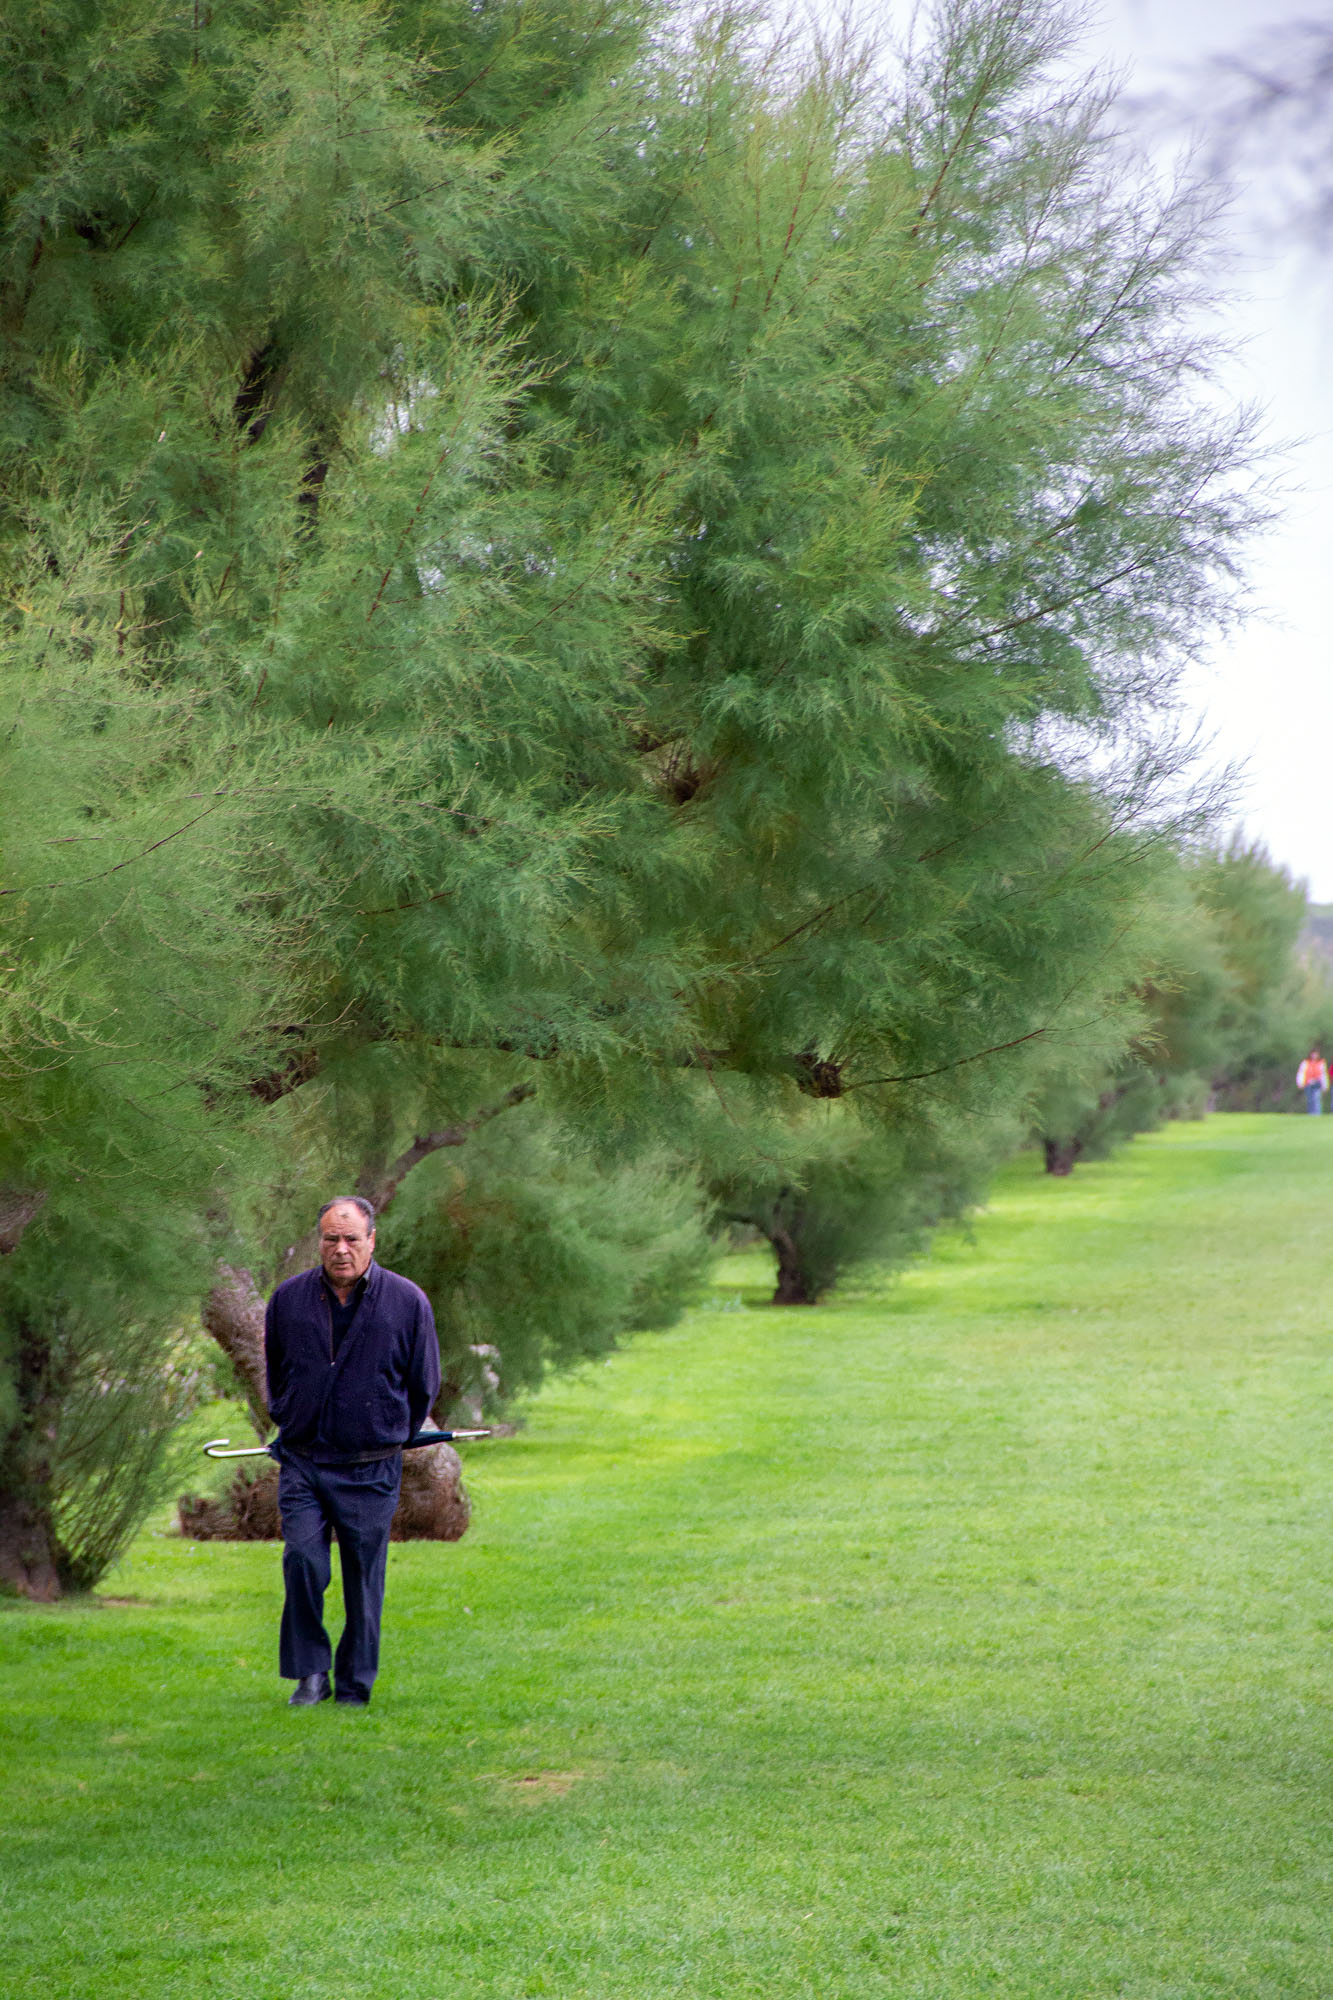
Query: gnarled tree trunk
[(27, 1541), (29, 1556), (1061, 1155), (793, 1286), (233, 1313)]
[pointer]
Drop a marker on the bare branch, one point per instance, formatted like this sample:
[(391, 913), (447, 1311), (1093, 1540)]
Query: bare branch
[(77, 881), (960, 1062), (379, 1192)]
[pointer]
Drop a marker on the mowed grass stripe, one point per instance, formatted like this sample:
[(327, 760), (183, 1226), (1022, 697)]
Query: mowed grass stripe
[(970, 1638)]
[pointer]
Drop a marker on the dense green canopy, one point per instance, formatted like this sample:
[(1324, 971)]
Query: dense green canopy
[(1231, 1001), (611, 547)]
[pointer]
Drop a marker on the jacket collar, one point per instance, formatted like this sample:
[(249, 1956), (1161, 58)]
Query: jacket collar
[(369, 1278)]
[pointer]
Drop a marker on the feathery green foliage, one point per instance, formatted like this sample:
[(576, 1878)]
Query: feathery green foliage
[(537, 1256), (636, 534), (1229, 1000), (130, 977), (829, 1192)]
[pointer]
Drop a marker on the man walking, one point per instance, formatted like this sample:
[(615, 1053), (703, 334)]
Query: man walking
[(353, 1369)]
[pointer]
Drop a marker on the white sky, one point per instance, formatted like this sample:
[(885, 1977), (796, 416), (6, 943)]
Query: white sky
[(1266, 694)]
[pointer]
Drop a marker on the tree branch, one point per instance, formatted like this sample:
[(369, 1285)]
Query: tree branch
[(77, 881), (380, 1190), (960, 1062)]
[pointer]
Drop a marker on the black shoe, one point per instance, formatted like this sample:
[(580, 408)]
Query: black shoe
[(352, 1700), (309, 1689)]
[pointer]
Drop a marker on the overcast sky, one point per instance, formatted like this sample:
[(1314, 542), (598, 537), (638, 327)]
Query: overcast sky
[(1266, 693)]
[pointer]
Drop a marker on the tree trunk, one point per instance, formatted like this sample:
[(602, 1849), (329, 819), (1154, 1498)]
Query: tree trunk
[(1061, 1155), (233, 1313), (27, 1547), (28, 1551), (793, 1287)]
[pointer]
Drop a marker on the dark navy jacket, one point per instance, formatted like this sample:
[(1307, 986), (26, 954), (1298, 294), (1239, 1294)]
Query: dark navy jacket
[(378, 1390)]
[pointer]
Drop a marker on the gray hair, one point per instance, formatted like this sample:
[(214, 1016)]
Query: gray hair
[(349, 1201)]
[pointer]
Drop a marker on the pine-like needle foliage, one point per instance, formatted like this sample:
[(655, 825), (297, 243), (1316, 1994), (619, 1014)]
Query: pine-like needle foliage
[(626, 527), (1231, 1001)]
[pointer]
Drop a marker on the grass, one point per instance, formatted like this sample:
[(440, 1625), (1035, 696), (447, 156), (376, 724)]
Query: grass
[(968, 1640)]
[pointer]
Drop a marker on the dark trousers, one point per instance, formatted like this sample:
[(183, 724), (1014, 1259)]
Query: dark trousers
[(355, 1502)]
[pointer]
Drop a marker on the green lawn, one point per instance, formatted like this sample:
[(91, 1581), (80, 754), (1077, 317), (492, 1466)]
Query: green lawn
[(967, 1640)]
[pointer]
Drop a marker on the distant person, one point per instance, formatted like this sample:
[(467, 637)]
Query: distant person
[(353, 1369), (1312, 1078)]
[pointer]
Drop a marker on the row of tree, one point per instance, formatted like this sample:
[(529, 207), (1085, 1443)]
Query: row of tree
[(1226, 1000), (1232, 1001), (589, 599)]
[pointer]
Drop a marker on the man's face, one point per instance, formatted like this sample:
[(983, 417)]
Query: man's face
[(346, 1244)]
